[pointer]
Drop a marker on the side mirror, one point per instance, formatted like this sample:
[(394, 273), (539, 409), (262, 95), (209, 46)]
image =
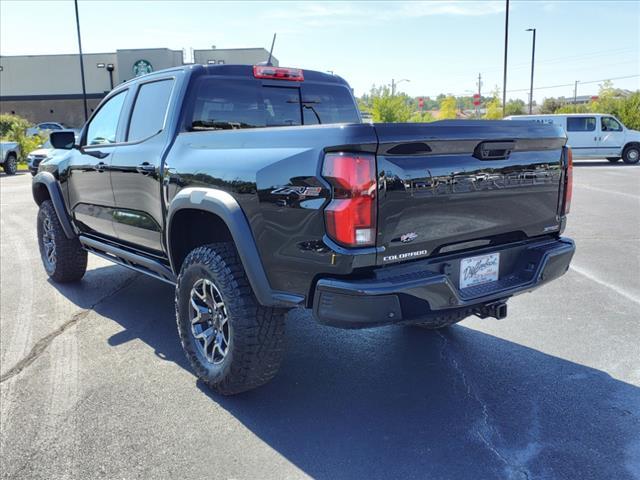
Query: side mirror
[(63, 139)]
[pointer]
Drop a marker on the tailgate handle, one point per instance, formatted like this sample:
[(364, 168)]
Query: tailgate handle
[(494, 150)]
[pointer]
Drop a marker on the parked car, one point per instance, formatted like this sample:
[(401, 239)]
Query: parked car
[(35, 157), (254, 190), (46, 150), (594, 135), (9, 153), (45, 127)]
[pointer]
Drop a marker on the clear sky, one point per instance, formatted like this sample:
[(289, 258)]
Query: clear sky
[(440, 46)]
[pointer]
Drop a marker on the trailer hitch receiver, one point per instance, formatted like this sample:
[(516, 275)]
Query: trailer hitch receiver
[(497, 310)]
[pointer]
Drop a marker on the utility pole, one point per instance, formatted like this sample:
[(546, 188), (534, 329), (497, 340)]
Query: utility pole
[(533, 57), (575, 96), (479, 94), (506, 44), (84, 88)]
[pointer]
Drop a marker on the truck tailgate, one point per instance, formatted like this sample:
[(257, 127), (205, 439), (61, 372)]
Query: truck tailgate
[(452, 185)]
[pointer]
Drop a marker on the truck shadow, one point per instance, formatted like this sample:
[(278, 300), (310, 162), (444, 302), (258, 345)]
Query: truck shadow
[(400, 402)]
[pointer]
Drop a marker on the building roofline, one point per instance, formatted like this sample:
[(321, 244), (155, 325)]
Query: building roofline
[(84, 54), (227, 49), (132, 50), (140, 49)]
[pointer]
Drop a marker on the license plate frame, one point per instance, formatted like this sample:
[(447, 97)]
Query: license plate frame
[(479, 270)]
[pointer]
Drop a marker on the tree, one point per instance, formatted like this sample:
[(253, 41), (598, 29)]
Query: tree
[(14, 129), (385, 107), (550, 105), (514, 107), (447, 108), (494, 106), (421, 117), (629, 111), (573, 109)]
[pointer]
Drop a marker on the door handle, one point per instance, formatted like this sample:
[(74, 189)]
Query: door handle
[(146, 168), (100, 167)]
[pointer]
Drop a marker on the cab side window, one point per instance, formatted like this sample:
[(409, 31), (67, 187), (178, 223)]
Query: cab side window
[(610, 124), (150, 110), (581, 124), (104, 125)]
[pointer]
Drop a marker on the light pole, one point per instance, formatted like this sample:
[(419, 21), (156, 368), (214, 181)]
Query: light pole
[(110, 69), (84, 88), (533, 58), (506, 44), (394, 84)]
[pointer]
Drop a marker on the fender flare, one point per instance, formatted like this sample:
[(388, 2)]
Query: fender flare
[(226, 207), (55, 194)]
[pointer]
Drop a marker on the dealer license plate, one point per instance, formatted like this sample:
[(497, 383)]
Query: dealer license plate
[(478, 270)]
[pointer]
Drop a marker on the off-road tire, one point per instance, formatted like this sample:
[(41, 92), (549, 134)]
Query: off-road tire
[(10, 165), (256, 340), (631, 154), (613, 159), (444, 320), (70, 259)]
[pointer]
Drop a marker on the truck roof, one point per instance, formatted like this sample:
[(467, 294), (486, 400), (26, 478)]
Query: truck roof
[(238, 70)]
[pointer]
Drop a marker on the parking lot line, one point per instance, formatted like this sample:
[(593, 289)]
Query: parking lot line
[(604, 190), (618, 290)]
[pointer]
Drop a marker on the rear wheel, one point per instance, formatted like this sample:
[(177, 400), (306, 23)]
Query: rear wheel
[(613, 159), (10, 165), (63, 259), (631, 154), (233, 343)]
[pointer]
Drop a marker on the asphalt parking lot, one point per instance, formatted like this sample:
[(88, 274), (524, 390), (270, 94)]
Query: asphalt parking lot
[(94, 384)]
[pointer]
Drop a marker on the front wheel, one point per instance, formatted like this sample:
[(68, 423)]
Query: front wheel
[(233, 343), (63, 259), (631, 154), (10, 165)]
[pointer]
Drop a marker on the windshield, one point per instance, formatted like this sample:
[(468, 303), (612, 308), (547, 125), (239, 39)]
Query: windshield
[(220, 104)]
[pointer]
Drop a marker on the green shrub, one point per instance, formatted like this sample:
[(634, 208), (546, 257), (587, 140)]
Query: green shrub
[(629, 111), (14, 129), (573, 109), (11, 122), (422, 117), (514, 107)]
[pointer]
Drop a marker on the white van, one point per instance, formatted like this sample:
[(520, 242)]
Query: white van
[(594, 135)]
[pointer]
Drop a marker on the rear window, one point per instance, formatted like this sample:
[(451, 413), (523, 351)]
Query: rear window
[(220, 104), (581, 124)]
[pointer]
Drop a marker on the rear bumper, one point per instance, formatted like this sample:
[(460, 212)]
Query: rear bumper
[(429, 287)]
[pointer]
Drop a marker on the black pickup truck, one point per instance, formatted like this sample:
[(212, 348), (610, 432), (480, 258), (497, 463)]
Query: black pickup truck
[(256, 189)]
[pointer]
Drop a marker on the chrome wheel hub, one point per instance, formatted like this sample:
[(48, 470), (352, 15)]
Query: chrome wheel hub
[(48, 242), (209, 321)]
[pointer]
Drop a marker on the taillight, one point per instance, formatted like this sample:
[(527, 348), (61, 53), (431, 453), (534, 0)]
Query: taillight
[(568, 183), (350, 217), (278, 73)]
